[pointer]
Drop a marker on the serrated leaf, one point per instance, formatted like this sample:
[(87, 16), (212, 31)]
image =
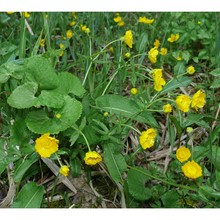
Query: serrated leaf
[(136, 181), (215, 84), (69, 84), (115, 163), (170, 199), (175, 83), (23, 96), (215, 72), (40, 122), (30, 196), (50, 98), (122, 106), (24, 166), (196, 119), (39, 70)]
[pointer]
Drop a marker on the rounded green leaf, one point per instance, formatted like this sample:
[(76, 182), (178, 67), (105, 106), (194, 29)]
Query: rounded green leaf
[(136, 181), (23, 96), (40, 122)]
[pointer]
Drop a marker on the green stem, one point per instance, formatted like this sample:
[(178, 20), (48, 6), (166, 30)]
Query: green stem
[(87, 72), (87, 143), (162, 180), (22, 38), (113, 76)]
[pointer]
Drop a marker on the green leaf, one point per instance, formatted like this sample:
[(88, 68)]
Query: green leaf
[(30, 196), (24, 166), (175, 83), (122, 106), (23, 96), (196, 119), (142, 42), (136, 181), (214, 156), (170, 199), (50, 98), (215, 84), (215, 72), (39, 70), (115, 163), (75, 167), (40, 122), (69, 84)]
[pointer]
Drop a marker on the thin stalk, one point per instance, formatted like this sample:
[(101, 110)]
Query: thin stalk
[(164, 181), (22, 45)]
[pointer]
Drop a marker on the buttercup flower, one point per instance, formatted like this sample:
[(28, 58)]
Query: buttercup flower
[(183, 102), (72, 23), (42, 42), (118, 19), (167, 108), (133, 91), (190, 70), (69, 34), (198, 100), (147, 138), (173, 38), (156, 43), (159, 81), (183, 154), (163, 51), (84, 28), (92, 158), (62, 52), (46, 145), (152, 55), (64, 170), (128, 38), (145, 20), (26, 14), (192, 170)]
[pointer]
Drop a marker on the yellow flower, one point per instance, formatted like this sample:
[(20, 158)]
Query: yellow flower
[(145, 20), (152, 55), (183, 102), (42, 42), (156, 43), (92, 158), (72, 23), (159, 81), (134, 91), (84, 28), (183, 154), (64, 170), (192, 170), (190, 70), (117, 19), (198, 100), (147, 138), (167, 108), (163, 51), (10, 12), (26, 14), (62, 52), (173, 38), (69, 34), (128, 38), (46, 145), (121, 23), (127, 55)]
